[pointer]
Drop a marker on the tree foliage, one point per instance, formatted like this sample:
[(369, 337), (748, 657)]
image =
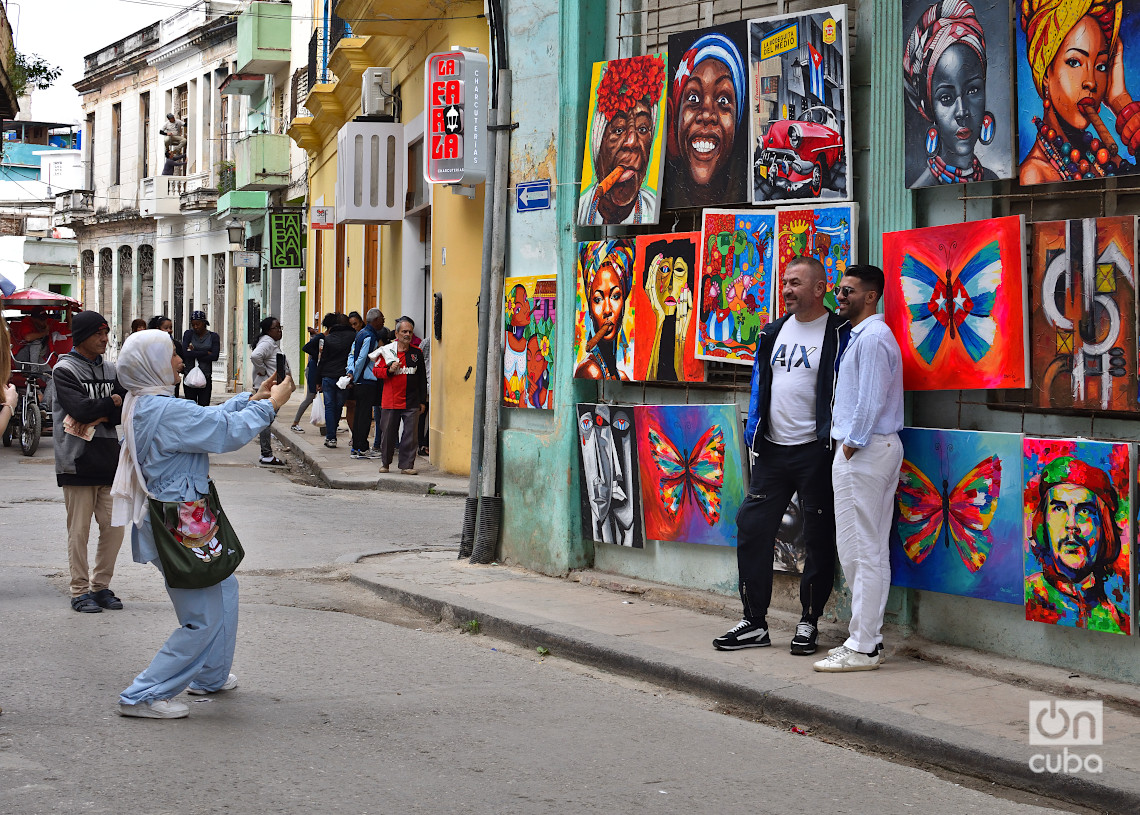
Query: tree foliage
[(30, 72)]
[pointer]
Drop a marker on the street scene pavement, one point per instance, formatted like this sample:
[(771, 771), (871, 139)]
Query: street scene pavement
[(378, 673)]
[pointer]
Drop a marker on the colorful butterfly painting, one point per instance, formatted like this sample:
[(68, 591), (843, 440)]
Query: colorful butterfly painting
[(698, 476), (948, 289), (959, 513), (692, 478)]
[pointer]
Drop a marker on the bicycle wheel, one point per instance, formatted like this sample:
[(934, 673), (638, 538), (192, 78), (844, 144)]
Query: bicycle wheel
[(30, 425)]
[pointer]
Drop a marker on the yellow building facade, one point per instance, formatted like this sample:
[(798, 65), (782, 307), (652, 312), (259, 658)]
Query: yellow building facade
[(430, 262)]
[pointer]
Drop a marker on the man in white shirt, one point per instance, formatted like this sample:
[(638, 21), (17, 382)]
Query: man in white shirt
[(789, 437), (866, 420)]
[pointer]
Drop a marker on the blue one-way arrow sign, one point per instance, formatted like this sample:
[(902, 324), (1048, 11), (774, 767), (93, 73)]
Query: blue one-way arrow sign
[(531, 196)]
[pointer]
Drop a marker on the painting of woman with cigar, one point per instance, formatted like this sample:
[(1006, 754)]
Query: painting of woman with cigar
[(1071, 55), (603, 331), (621, 171)]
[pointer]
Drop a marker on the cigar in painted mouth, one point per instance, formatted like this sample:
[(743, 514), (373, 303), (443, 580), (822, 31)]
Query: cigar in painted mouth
[(610, 180), (1101, 129), (594, 340)]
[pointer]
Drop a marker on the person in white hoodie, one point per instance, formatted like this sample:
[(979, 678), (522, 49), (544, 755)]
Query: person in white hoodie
[(264, 362)]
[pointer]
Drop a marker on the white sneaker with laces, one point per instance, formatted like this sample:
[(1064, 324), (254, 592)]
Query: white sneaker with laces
[(844, 659), (156, 709), (230, 684), (882, 652)]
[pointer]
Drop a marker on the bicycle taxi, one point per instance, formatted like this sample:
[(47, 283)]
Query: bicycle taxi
[(39, 323)]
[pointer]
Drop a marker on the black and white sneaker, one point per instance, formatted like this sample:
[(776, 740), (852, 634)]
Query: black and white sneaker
[(879, 649), (803, 643), (354, 453), (745, 634)]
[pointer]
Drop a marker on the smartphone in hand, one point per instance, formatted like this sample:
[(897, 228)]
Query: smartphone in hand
[(281, 368)]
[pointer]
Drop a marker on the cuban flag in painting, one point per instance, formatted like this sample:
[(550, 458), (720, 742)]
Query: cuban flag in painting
[(816, 71)]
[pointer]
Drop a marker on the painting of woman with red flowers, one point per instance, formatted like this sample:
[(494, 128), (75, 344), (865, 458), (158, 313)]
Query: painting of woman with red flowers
[(621, 172)]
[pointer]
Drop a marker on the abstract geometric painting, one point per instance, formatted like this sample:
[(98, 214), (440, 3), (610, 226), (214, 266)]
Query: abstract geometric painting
[(800, 122), (528, 350), (826, 233), (959, 514), (1078, 533), (691, 472), (956, 58), (603, 327), (1082, 298), (664, 301), (948, 289), (706, 129), (621, 171), (610, 496), (738, 250)]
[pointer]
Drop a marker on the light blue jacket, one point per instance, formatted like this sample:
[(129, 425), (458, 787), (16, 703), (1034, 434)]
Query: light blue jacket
[(174, 438)]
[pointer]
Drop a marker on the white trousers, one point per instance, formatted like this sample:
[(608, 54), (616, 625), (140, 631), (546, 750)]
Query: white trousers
[(865, 488)]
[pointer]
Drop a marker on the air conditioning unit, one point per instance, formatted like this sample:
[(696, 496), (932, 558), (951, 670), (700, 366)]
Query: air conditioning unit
[(376, 92), (371, 173)]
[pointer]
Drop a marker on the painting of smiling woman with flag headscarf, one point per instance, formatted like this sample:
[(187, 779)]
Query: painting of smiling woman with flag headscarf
[(706, 126), (621, 171)]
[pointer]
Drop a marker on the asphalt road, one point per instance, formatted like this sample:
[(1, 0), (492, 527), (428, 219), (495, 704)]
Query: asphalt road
[(349, 705)]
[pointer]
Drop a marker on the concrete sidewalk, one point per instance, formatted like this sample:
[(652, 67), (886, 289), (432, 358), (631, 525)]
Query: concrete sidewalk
[(934, 705), (339, 471)]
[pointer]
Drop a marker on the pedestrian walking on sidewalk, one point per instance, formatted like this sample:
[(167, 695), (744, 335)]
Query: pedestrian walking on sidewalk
[(867, 418), (789, 437), (201, 348), (264, 362), (401, 368), (365, 385), (330, 368), (166, 442), (85, 412), (312, 382)]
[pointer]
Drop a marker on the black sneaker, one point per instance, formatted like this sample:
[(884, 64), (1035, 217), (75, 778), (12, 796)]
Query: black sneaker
[(745, 634), (330, 443), (803, 643), (354, 453)]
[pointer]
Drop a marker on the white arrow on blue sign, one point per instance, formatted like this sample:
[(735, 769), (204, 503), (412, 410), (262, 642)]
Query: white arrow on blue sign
[(531, 196)]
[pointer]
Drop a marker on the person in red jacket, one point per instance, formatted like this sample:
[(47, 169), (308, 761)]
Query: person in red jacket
[(402, 367)]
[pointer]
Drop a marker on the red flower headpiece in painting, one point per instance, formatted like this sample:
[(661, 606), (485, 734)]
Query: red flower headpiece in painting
[(628, 81)]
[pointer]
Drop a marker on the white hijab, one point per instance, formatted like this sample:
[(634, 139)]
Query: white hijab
[(143, 368)]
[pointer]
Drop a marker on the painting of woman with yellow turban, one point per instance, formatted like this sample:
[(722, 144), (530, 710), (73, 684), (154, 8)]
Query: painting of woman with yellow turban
[(1071, 54)]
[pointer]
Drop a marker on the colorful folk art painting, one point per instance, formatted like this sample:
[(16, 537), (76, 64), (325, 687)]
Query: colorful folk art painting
[(826, 233), (611, 498), (624, 155), (955, 67), (948, 289), (959, 523), (1082, 295), (1077, 74), (603, 327), (738, 250), (692, 478), (664, 299), (1078, 533), (800, 122), (528, 344), (706, 126)]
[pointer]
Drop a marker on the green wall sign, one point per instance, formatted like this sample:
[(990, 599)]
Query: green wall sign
[(285, 233)]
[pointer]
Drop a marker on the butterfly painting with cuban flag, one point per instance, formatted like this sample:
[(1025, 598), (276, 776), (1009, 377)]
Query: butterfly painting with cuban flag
[(692, 481), (958, 521), (956, 302)]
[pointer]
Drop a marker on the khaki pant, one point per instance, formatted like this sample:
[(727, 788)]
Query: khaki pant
[(82, 503)]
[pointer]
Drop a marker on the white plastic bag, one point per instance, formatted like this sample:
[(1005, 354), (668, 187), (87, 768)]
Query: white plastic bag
[(317, 415), (195, 379)]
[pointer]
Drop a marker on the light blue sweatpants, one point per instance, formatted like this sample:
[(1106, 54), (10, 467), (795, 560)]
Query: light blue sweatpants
[(200, 653)]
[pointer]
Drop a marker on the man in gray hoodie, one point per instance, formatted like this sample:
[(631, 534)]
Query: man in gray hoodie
[(86, 408)]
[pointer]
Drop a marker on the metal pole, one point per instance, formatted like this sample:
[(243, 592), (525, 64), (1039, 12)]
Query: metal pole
[(487, 536), (486, 300)]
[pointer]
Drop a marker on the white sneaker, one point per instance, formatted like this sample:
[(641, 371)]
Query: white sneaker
[(230, 684), (156, 709), (844, 659), (882, 652)]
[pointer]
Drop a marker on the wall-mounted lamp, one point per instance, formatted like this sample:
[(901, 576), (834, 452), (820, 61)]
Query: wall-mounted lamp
[(236, 231)]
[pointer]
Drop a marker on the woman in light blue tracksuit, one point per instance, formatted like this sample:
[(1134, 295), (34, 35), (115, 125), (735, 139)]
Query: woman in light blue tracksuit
[(165, 453)]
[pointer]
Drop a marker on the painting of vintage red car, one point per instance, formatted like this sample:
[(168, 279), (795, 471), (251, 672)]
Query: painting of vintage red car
[(800, 156)]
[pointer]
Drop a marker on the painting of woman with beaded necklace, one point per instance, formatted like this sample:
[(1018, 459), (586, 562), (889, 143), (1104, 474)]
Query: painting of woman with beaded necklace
[(957, 118), (1071, 54)]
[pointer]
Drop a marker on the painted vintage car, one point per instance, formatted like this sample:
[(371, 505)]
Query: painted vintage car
[(801, 154)]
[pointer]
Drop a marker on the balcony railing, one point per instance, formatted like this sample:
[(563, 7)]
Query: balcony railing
[(163, 194), (321, 46), (298, 90), (72, 207)]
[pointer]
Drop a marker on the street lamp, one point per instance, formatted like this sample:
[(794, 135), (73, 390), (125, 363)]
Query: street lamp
[(236, 231)]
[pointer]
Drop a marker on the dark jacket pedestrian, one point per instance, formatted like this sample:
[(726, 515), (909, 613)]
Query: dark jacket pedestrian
[(200, 347), (330, 368)]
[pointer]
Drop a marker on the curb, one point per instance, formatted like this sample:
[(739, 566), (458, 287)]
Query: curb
[(941, 745), (404, 484)]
